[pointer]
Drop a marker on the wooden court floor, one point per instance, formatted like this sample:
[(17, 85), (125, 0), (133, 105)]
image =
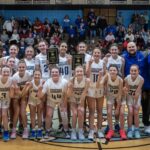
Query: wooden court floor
[(19, 144)]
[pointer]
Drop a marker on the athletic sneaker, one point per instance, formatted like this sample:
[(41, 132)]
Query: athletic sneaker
[(13, 134), (110, 134), (106, 129), (60, 128), (123, 134), (69, 127), (67, 136), (47, 133), (100, 134), (73, 134), (137, 133), (81, 134), (39, 134), (130, 133), (147, 129), (25, 134), (33, 135), (117, 127), (91, 135), (6, 136)]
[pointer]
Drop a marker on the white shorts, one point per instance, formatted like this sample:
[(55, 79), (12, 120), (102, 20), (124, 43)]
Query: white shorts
[(34, 102), (131, 101), (95, 93), (4, 103), (52, 103)]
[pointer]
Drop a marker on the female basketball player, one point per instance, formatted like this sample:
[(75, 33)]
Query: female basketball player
[(65, 62), (113, 85), (133, 88), (13, 52), (94, 98), (77, 91), (55, 88), (30, 62), (35, 104), (19, 103), (6, 93)]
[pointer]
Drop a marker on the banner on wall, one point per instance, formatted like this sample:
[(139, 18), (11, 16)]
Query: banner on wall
[(95, 1), (118, 1), (140, 2), (23, 1), (41, 1), (63, 1)]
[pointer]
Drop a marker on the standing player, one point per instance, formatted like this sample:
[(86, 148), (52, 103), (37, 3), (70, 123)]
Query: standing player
[(119, 62), (41, 63), (35, 104), (30, 62), (19, 103), (133, 88), (55, 88), (6, 93), (94, 99), (114, 85), (77, 91)]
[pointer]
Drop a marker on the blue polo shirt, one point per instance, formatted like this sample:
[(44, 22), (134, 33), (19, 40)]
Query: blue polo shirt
[(144, 65)]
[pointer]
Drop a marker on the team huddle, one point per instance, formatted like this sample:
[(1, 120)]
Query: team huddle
[(33, 82)]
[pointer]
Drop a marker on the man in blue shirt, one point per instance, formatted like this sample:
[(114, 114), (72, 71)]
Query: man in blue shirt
[(132, 56)]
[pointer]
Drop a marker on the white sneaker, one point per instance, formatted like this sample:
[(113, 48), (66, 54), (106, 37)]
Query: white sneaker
[(100, 134), (25, 134), (147, 129), (73, 134), (81, 135), (91, 135)]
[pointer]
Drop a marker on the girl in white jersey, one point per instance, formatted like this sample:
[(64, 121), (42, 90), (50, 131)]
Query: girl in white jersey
[(35, 104), (133, 88), (95, 97), (65, 70), (55, 88), (41, 60), (81, 49), (19, 103), (115, 59), (6, 93), (113, 85), (13, 52), (30, 62), (77, 91), (119, 62)]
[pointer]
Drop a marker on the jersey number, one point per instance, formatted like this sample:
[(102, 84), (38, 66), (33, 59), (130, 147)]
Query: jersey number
[(95, 77), (64, 71), (45, 68)]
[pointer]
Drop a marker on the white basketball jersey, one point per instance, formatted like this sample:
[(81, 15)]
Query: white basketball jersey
[(95, 69), (87, 58), (30, 65), (33, 91), (117, 62), (21, 81), (64, 68), (113, 86), (133, 85), (41, 59), (4, 89), (54, 90), (78, 88)]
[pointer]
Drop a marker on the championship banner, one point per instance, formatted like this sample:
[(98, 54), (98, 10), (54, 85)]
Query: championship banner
[(140, 2), (77, 60), (53, 55)]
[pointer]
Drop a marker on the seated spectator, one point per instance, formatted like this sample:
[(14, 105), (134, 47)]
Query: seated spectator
[(15, 36), (110, 37), (130, 36), (4, 37), (29, 40), (66, 23)]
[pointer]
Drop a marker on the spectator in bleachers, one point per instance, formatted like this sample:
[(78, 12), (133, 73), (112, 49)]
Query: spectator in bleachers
[(15, 36), (29, 40), (78, 21), (146, 17), (4, 37), (8, 27), (110, 38), (129, 35), (92, 28), (25, 23), (66, 23), (38, 26)]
